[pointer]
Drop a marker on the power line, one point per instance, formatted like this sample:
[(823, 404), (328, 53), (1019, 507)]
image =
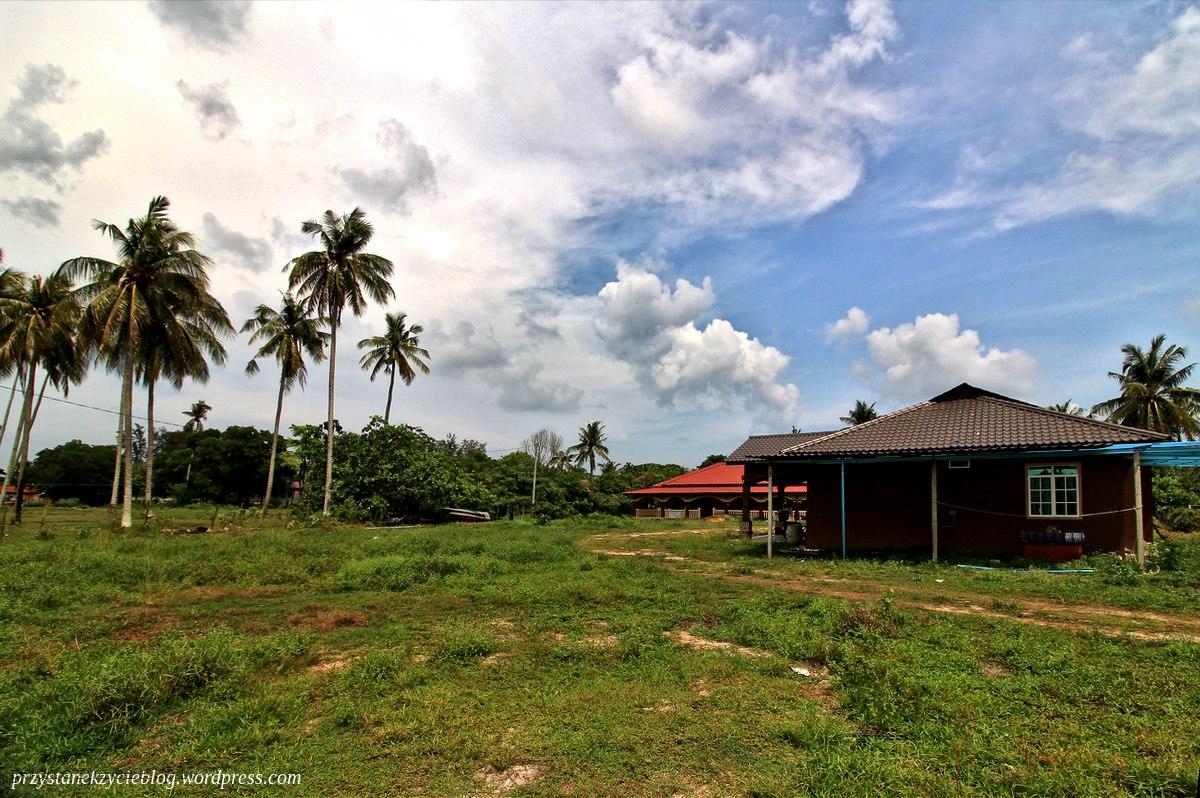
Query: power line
[(101, 409)]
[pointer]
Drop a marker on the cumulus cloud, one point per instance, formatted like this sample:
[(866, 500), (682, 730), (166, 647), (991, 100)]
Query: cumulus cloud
[(211, 104), (921, 359), (246, 252), (1135, 133), (29, 144), (409, 171), (214, 24), (652, 327), (520, 384), (37, 212), (855, 323)]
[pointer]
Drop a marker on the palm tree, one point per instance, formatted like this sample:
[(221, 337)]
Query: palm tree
[(287, 335), (177, 348), (197, 414), (1153, 395), (329, 279), (159, 271), (861, 413), (1068, 407), (560, 461), (398, 351), (40, 322), (590, 446)]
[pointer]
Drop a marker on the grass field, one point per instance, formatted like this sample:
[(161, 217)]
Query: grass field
[(582, 658)]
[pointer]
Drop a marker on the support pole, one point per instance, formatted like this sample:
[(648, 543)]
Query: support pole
[(1139, 544), (770, 511), (933, 506), (747, 525), (843, 464)]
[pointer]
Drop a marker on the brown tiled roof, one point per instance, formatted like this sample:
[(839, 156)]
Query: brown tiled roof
[(968, 419), (757, 446)]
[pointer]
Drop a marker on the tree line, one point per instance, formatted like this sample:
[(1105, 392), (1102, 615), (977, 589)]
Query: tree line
[(148, 315)]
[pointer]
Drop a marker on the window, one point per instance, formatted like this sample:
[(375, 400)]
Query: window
[(1053, 491)]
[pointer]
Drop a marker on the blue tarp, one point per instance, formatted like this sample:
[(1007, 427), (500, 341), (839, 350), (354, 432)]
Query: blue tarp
[(1164, 453)]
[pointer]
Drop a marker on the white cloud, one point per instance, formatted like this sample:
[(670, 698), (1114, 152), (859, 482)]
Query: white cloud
[(921, 359), (1134, 130), (653, 328), (856, 322)]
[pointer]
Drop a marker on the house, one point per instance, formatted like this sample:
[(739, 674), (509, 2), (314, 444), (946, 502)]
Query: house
[(970, 472), (31, 494), (712, 490)]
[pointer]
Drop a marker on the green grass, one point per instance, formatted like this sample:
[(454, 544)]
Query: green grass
[(423, 661)]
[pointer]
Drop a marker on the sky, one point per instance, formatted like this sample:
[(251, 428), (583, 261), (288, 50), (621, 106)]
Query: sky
[(692, 222)]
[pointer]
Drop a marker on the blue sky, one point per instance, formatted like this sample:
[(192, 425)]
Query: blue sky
[(650, 214)]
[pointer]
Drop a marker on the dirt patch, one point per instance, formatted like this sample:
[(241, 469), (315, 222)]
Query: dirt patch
[(1110, 621), (994, 670), (690, 640), (324, 619), (142, 623), (505, 781), (599, 641), (220, 592), (330, 665), (491, 660), (701, 689), (813, 682)]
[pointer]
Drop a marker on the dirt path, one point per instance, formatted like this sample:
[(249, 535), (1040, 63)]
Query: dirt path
[(1112, 621)]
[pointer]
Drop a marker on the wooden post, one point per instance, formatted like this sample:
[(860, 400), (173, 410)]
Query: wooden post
[(933, 505), (770, 511), (747, 525), (1139, 545)]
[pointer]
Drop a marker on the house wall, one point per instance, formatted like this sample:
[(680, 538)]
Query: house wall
[(888, 506)]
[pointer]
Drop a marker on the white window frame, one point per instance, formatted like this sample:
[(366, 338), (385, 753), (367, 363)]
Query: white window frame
[(1053, 488)]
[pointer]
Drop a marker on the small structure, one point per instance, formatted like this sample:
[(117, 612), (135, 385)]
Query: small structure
[(31, 495), (715, 489), (971, 472)]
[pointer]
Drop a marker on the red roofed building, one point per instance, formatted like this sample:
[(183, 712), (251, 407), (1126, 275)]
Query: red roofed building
[(712, 490)]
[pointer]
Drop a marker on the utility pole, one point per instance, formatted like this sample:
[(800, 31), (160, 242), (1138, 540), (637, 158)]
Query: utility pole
[(533, 501)]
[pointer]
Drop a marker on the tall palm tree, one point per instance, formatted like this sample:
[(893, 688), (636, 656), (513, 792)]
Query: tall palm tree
[(340, 274), (398, 351), (158, 272), (1153, 395), (178, 348), (560, 461), (197, 414), (287, 335), (861, 413), (591, 446), (40, 324)]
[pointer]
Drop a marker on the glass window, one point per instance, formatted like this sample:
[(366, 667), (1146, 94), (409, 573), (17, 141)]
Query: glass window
[(1053, 490)]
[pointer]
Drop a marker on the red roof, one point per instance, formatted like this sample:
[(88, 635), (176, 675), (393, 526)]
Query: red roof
[(716, 479)]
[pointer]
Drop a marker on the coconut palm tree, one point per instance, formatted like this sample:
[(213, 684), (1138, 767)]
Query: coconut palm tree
[(287, 335), (178, 348), (197, 414), (158, 271), (1153, 395), (590, 447), (398, 351), (560, 461), (861, 413), (40, 324), (340, 274)]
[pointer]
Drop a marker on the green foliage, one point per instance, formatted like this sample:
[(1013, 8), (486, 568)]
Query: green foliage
[(1177, 498), (229, 466), (711, 459), (76, 470)]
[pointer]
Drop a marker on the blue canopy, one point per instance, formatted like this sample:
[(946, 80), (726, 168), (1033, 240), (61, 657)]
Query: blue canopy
[(1163, 453)]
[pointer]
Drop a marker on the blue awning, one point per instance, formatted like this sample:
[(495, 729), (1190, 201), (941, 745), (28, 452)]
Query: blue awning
[(1163, 453)]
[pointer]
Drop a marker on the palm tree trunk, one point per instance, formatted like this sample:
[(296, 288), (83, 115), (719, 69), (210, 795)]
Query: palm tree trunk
[(12, 394), (333, 328), (116, 480), (127, 391), (274, 448), (20, 498), (23, 439), (150, 379), (16, 452), (387, 410)]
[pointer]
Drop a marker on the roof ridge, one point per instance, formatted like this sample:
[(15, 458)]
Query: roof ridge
[(846, 430), (1058, 413)]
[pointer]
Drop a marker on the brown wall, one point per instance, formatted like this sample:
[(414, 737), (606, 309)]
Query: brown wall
[(888, 506)]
